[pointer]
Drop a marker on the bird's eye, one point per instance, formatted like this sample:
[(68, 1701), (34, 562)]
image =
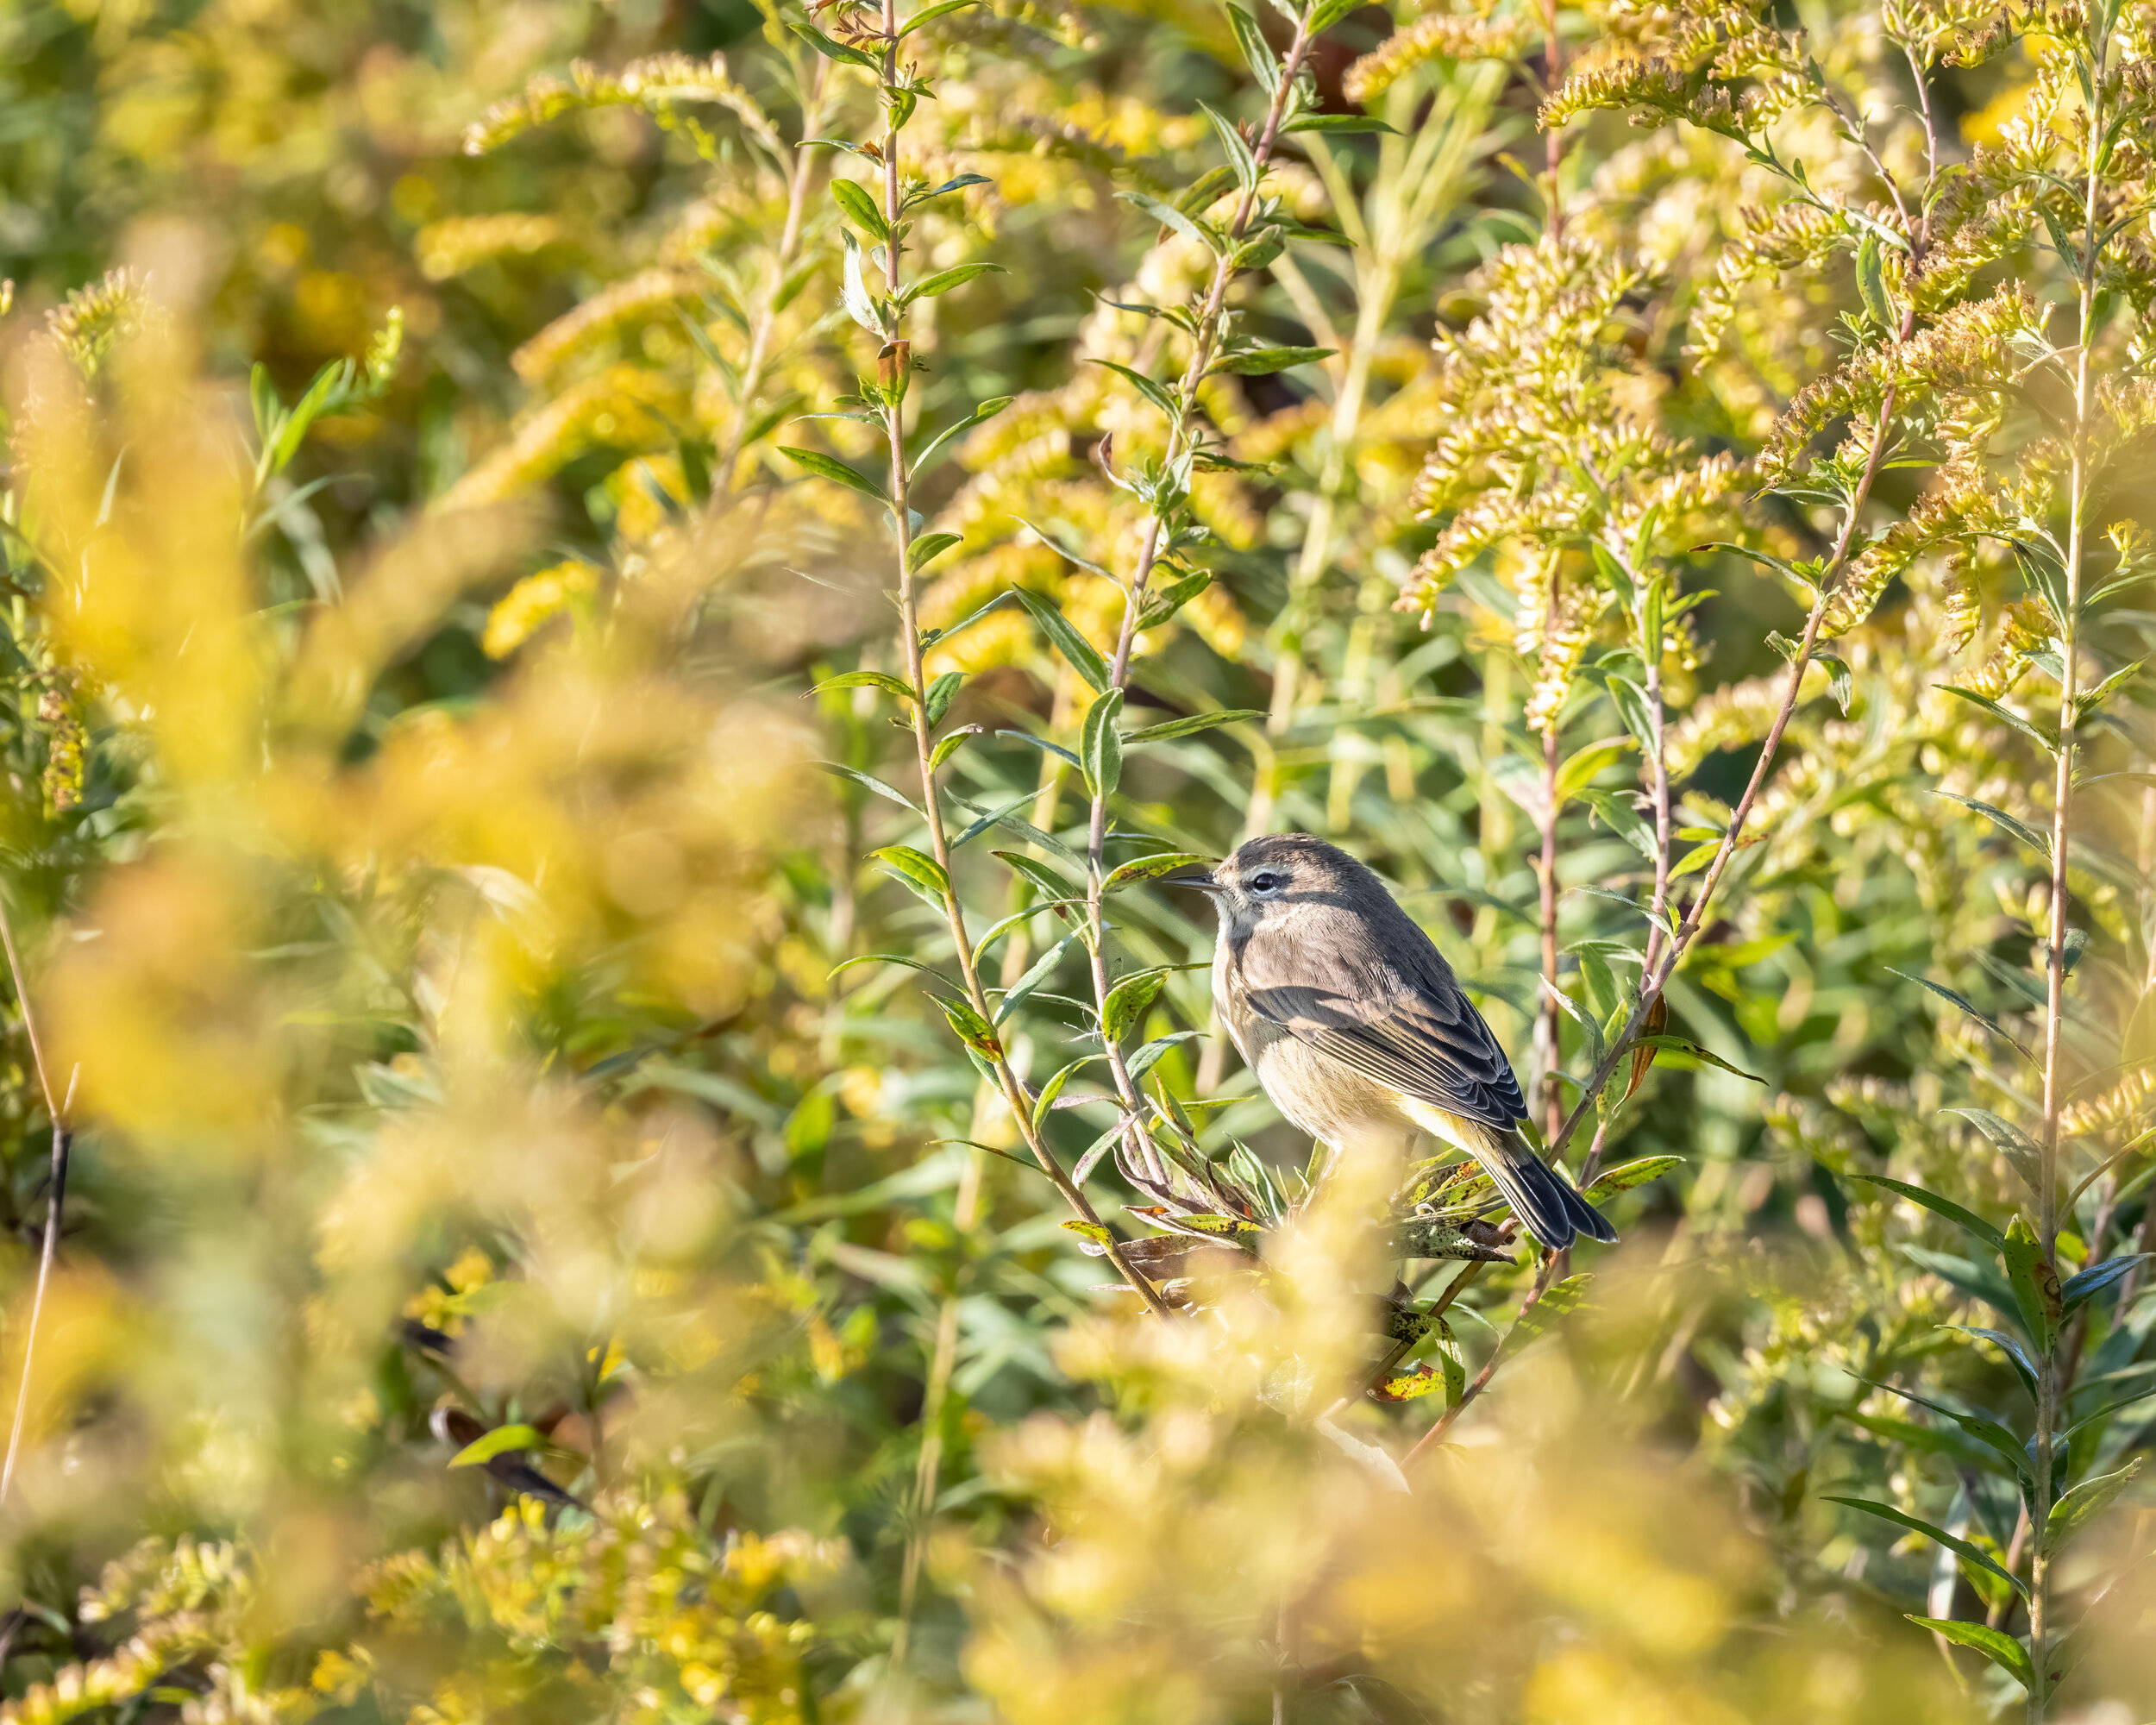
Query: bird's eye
[(1267, 882)]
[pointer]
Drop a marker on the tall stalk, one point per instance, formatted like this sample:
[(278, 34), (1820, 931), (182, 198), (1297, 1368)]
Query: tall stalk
[(2048, 1387), (975, 1021), (1206, 329)]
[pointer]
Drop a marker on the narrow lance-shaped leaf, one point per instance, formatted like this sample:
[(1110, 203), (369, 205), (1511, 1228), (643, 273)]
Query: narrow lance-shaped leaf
[(1151, 869), (1100, 746), (2097, 1277), (1170, 729), (2087, 1501), (1960, 1548), (1084, 657), (1995, 1645), (2034, 1282), (826, 466), (2004, 822), (1128, 1002), (1967, 1221)]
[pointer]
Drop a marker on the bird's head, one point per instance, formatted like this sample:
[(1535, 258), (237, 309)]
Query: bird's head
[(1272, 879)]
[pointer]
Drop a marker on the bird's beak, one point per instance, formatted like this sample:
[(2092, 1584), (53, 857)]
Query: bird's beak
[(1202, 883)]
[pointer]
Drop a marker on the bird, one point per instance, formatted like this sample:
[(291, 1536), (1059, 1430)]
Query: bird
[(1357, 1027)]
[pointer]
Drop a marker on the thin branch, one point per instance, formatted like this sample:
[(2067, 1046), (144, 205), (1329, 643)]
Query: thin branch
[(56, 1194), (1204, 344), (1014, 1093)]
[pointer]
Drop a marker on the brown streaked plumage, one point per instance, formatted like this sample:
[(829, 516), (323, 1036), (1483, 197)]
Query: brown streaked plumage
[(1357, 1027)]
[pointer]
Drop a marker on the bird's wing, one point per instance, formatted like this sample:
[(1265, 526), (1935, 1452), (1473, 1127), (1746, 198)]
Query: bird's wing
[(1418, 1034)]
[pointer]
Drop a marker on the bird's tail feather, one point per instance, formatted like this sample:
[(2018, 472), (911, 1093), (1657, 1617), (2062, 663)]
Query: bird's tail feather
[(1545, 1202)]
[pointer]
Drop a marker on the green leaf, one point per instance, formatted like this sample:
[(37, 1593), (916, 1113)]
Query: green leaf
[(833, 50), (1038, 973), (2097, 1278), (1257, 52), (1154, 392), (886, 958), (2087, 1501), (987, 410), (1871, 283), (1781, 566), (1966, 1220), (500, 1441), (1987, 1431), (865, 680), (1559, 1301), (1169, 216), (1633, 707), (1170, 599), (928, 548), (1574, 775), (1192, 725), (2087, 704), (1092, 1231), (1628, 1175), (1151, 869), (1062, 550), (1992, 1025), (1452, 1363), (2034, 1282), (941, 693), (1840, 683), (957, 276), (1979, 1281), (1054, 1088), (2005, 822), (1959, 1548), (889, 793), (824, 467), (1237, 152), (861, 305), (1685, 1045), (1262, 361), (2016, 1355), (1579, 1014), (2014, 721), (973, 1029), (917, 869), (1995, 1645), (1038, 873), (1085, 658), (1194, 200), (859, 204), (1339, 122), (1100, 745), (928, 14), (1128, 1002)]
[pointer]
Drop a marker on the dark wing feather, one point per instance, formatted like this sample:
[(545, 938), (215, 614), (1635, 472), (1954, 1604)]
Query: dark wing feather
[(1395, 1013)]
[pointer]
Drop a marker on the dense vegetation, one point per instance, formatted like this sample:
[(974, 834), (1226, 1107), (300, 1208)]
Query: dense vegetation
[(615, 617)]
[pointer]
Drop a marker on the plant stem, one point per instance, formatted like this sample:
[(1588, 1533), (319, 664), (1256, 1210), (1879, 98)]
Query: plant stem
[(1546, 1272), (2048, 1385), (1014, 1093), (1204, 344), (1656, 975), (781, 266), (56, 1193)]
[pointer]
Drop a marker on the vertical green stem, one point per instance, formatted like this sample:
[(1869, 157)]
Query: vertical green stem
[(1014, 1093), (2049, 1390), (1204, 344), (789, 247)]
